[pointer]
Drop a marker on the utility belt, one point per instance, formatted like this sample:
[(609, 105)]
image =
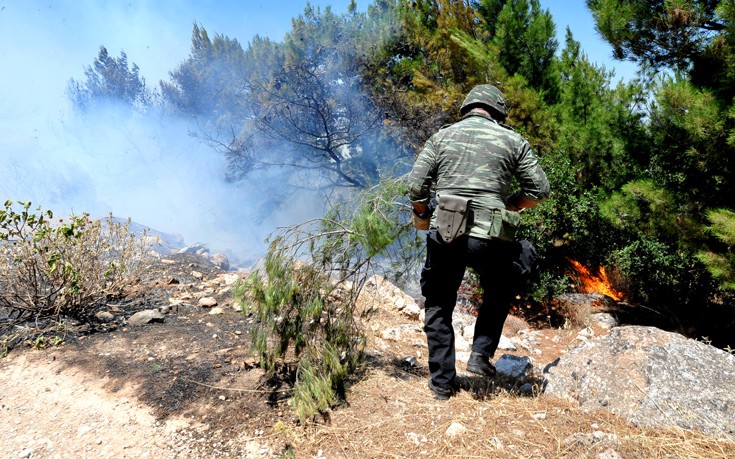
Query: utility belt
[(454, 216)]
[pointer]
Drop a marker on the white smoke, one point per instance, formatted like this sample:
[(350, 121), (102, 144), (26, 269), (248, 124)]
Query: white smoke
[(135, 166), (151, 170)]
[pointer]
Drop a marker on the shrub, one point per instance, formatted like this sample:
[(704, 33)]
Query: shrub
[(721, 263), (303, 299), (52, 267)]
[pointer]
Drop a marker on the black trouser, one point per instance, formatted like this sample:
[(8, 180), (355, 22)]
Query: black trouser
[(501, 267)]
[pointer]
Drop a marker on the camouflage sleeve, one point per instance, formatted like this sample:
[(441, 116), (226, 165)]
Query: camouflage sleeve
[(532, 178), (423, 175)]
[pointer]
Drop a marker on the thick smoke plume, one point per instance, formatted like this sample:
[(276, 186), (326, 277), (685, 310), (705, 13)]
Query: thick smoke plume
[(140, 166)]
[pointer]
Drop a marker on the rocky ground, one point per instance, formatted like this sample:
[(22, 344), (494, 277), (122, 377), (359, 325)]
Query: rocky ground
[(185, 384)]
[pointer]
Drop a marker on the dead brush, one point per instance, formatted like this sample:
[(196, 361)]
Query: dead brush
[(62, 267)]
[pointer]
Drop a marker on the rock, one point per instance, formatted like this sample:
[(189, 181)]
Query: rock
[(216, 311), (230, 278), (193, 249), (104, 316), (526, 389), (511, 366), (221, 261), (455, 429), (587, 440), (461, 344), (412, 311), (608, 454), (506, 345), (144, 317), (208, 291), (415, 438), (398, 333), (378, 292), (207, 302), (468, 331), (651, 377), (604, 320), (197, 275)]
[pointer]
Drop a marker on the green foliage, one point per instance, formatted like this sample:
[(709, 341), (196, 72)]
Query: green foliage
[(721, 264), (692, 156), (598, 125), (661, 33), (422, 69), (110, 79), (645, 209), (303, 301), (210, 83), (50, 268), (525, 36), (660, 275)]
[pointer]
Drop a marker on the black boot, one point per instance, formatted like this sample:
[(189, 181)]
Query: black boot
[(442, 392), (479, 364)]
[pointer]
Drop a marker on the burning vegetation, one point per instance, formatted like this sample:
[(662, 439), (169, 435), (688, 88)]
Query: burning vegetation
[(588, 282)]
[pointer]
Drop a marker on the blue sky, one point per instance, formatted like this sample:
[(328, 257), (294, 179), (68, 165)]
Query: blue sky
[(64, 36)]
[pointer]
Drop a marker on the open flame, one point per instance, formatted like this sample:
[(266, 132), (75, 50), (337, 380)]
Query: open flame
[(591, 283)]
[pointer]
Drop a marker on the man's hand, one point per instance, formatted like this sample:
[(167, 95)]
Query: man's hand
[(517, 202), (421, 216)]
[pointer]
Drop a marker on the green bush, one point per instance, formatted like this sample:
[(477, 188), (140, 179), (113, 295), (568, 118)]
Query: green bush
[(720, 261), (654, 273), (303, 299), (53, 267)]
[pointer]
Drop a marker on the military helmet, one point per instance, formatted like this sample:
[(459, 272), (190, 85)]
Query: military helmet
[(486, 96)]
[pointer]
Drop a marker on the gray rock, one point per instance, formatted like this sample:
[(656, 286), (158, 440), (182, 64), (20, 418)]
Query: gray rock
[(506, 344), (652, 378), (105, 316), (526, 389), (608, 454), (221, 261), (207, 302), (604, 320), (511, 366), (144, 317), (193, 249), (455, 429), (216, 311)]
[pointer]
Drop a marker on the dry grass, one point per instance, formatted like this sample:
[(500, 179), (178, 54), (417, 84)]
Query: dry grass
[(394, 416), (390, 413)]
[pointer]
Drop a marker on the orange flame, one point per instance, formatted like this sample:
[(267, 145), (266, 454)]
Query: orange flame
[(590, 283)]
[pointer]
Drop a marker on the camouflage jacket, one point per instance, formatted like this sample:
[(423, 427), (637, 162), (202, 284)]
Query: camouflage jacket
[(477, 158)]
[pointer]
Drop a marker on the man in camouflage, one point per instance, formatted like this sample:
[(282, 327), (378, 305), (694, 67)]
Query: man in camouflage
[(475, 158)]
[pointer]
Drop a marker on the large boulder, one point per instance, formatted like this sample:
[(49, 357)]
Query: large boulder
[(651, 377)]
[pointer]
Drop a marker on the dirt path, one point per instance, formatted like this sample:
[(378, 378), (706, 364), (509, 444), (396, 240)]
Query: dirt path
[(97, 399), (162, 390), (51, 410)]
